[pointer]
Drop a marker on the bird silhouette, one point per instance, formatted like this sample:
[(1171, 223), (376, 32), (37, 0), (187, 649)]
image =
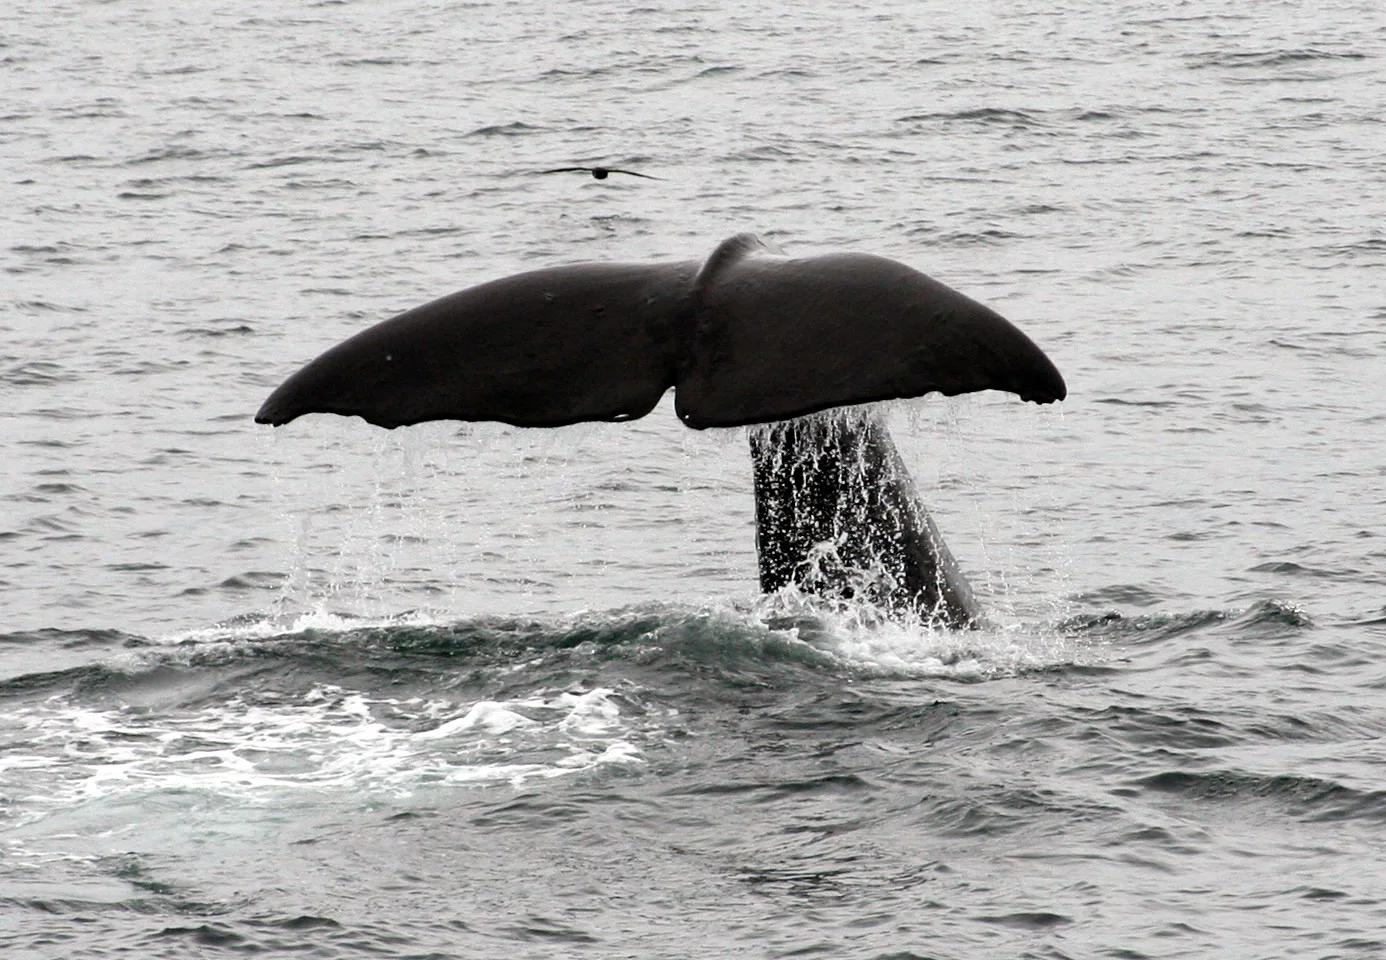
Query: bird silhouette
[(600, 173)]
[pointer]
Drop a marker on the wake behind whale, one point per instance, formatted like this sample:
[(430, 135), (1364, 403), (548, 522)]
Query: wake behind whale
[(748, 337)]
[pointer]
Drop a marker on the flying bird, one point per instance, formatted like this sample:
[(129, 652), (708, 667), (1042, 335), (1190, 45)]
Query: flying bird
[(600, 173)]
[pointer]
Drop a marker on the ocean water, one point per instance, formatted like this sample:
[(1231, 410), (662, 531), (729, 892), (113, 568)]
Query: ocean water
[(474, 691)]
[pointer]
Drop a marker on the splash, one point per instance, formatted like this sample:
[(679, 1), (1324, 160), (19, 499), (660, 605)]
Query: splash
[(859, 638)]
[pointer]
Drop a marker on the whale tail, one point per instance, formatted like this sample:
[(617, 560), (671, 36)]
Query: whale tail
[(747, 337), (750, 336)]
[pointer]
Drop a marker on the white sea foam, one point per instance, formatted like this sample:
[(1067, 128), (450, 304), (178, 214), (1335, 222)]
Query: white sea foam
[(858, 636), (318, 619), (488, 715), (262, 752)]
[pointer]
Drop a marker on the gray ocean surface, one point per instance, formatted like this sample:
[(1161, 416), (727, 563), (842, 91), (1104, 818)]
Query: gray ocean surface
[(475, 691)]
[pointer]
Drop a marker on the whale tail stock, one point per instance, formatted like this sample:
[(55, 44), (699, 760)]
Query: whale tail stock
[(747, 337), (837, 515)]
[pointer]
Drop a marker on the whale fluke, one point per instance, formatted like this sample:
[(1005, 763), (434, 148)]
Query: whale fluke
[(774, 337), (540, 349), (750, 336)]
